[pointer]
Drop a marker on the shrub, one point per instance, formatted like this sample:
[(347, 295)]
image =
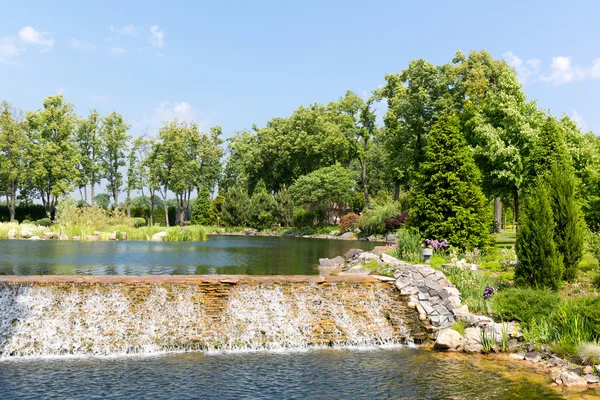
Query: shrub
[(236, 207), (596, 280), (594, 244), (44, 222), (201, 212), (587, 307), (138, 222), (26, 221), (395, 222), (375, 219), (493, 266), (409, 244), (524, 304), (471, 286), (264, 220), (436, 261), (303, 217), (540, 264), (348, 222)]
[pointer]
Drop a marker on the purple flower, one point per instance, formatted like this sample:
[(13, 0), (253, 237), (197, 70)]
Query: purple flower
[(436, 244), (488, 292)]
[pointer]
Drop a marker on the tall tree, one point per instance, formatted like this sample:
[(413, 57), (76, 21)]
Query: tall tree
[(284, 207), (201, 213), (52, 154), (88, 145), (235, 210), (448, 202), (114, 139), (12, 153), (134, 180)]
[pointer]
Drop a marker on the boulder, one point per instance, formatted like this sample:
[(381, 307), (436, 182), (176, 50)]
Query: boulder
[(533, 356), (123, 235), (568, 378), (26, 233), (597, 368), (448, 340), (372, 238), (159, 236), (325, 263), (49, 235), (112, 236), (590, 378), (250, 232), (92, 238), (352, 253), (35, 238), (367, 256), (76, 237), (337, 261), (12, 233), (387, 259), (391, 239), (63, 237), (347, 235), (357, 271), (472, 340)]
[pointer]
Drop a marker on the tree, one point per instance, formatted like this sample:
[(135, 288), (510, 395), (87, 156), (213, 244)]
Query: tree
[(52, 156), (540, 264), (12, 153), (201, 213), (283, 209), (102, 200), (448, 202), (134, 180), (261, 203), (88, 145), (569, 233), (236, 207), (550, 149), (114, 138), (324, 189)]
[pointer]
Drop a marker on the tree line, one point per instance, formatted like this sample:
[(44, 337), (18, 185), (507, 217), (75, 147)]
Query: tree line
[(323, 159)]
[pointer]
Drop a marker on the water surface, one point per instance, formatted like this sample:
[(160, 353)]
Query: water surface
[(327, 374), (217, 255)]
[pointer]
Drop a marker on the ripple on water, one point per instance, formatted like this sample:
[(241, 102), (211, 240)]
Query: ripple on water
[(322, 374)]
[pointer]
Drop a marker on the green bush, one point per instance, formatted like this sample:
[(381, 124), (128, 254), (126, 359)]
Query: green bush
[(471, 285), (264, 220), (138, 222), (493, 266), (26, 221), (348, 222), (589, 308), (303, 217), (44, 222), (374, 220), (437, 261), (524, 304), (596, 280)]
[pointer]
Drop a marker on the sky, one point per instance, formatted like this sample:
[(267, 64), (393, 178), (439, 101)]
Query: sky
[(236, 64)]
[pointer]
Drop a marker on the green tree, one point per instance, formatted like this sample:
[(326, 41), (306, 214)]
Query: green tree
[(284, 207), (550, 148), (114, 138), (89, 147), (102, 200), (448, 202), (261, 204), (569, 233), (236, 207), (52, 155), (201, 213), (13, 143), (134, 178), (540, 264), (324, 189)]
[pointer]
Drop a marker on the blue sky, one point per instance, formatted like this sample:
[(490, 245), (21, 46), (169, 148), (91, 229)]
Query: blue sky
[(238, 63)]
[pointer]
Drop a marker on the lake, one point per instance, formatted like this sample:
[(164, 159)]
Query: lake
[(217, 255)]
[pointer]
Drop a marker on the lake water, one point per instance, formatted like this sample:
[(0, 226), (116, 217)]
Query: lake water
[(217, 255), (325, 374)]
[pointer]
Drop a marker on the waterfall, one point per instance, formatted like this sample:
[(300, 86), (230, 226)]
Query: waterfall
[(75, 318)]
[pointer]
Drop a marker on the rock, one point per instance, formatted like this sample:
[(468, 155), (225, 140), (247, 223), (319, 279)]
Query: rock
[(588, 370), (357, 271), (35, 238), (92, 238), (517, 356), (384, 278), (350, 254), (379, 250), (448, 340), (472, 340), (337, 261), (63, 237), (568, 378), (123, 235), (597, 368), (159, 236), (26, 233), (372, 238), (76, 237), (112, 236), (347, 235), (554, 361), (533, 356), (367, 256), (250, 232), (387, 259), (12, 233), (325, 263), (49, 235), (590, 378), (391, 239)]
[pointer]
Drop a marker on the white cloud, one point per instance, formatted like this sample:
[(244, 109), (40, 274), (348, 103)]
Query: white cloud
[(562, 71), (30, 35), (595, 70), (8, 49), (158, 37), (98, 98), (165, 111), (81, 44), (525, 70), (125, 30), (578, 119), (116, 51)]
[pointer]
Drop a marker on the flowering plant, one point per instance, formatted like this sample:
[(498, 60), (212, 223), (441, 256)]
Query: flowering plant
[(436, 244), (488, 292)]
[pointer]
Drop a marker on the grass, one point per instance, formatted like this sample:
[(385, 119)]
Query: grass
[(506, 238), (459, 326), (471, 285)]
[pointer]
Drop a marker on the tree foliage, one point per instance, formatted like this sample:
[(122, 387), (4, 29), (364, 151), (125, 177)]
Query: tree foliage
[(235, 210)]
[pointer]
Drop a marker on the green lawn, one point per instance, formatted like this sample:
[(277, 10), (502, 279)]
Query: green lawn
[(506, 238)]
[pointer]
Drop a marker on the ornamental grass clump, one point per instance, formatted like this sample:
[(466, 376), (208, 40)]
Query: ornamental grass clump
[(409, 245)]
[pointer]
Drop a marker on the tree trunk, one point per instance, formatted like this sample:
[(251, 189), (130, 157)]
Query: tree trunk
[(166, 211), (516, 210), (92, 190), (12, 203), (363, 165), (397, 191), (116, 197), (128, 204), (498, 212), (151, 205)]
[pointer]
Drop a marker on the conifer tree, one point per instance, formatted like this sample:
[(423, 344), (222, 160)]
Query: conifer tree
[(236, 207), (540, 264), (201, 213), (284, 207), (261, 207), (570, 228), (449, 204)]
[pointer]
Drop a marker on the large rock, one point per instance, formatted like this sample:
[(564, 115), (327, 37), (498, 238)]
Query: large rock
[(159, 236), (112, 236), (357, 271), (250, 232), (387, 259), (449, 340), (63, 237), (472, 340), (372, 238), (49, 235), (568, 378), (391, 239), (26, 233), (350, 254), (590, 378), (367, 256), (347, 235), (12, 233)]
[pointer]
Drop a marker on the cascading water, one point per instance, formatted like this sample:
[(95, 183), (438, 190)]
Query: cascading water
[(60, 318)]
